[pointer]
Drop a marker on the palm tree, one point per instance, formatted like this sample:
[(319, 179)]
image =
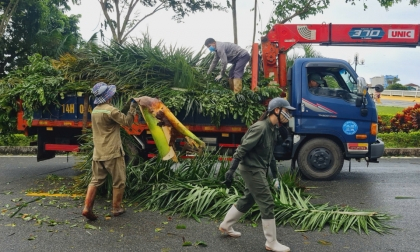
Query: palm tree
[(308, 52)]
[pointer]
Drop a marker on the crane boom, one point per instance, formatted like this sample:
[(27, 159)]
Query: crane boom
[(284, 36), (400, 35)]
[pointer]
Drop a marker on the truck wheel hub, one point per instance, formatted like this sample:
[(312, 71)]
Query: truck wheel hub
[(320, 158)]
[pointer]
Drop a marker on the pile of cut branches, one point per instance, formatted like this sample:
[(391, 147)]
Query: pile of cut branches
[(193, 188)]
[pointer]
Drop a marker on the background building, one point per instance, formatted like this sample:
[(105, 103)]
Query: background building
[(412, 86), (384, 80)]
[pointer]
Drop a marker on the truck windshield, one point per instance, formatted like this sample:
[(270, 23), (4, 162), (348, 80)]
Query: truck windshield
[(349, 80), (335, 82)]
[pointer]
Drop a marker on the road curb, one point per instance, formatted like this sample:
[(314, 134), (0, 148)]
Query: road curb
[(18, 150), (32, 150), (406, 152)]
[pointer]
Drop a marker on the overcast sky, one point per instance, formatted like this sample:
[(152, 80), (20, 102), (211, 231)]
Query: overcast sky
[(192, 33)]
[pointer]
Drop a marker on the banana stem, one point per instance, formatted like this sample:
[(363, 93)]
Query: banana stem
[(165, 125), (158, 134)]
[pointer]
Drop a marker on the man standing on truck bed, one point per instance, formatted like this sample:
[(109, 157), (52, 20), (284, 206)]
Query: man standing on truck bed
[(228, 53), (253, 157), (108, 154)]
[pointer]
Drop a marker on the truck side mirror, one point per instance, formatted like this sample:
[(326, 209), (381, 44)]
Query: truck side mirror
[(379, 88)]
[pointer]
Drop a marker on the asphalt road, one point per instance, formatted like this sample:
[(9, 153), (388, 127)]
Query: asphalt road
[(55, 224)]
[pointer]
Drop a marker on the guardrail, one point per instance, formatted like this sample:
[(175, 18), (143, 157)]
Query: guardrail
[(401, 93)]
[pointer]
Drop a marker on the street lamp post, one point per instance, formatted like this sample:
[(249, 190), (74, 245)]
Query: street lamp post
[(356, 61)]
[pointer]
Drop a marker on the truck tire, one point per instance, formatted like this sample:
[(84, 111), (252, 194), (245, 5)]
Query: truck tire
[(320, 159)]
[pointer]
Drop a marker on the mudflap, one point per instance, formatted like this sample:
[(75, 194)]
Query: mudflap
[(44, 137)]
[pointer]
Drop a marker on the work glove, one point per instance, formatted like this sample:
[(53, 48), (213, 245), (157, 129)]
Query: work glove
[(135, 101), (229, 178), (276, 184), (230, 173), (218, 78)]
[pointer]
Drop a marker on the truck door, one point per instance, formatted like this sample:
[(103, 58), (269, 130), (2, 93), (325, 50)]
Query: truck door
[(330, 107)]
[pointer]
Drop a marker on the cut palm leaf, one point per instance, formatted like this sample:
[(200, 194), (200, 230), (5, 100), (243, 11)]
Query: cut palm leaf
[(294, 209)]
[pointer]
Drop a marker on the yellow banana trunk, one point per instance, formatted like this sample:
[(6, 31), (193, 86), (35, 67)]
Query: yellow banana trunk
[(159, 135), (159, 116)]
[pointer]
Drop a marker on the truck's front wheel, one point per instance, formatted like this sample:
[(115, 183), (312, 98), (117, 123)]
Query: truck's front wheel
[(320, 159)]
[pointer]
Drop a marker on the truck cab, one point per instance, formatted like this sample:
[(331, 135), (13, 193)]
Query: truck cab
[(333, 122)]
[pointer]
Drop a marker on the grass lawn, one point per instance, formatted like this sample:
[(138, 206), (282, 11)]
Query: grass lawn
[(387, 110)]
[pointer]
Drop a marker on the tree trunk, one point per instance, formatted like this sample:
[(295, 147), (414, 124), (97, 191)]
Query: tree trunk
[(235, 26), (7, 15), (255, 29)]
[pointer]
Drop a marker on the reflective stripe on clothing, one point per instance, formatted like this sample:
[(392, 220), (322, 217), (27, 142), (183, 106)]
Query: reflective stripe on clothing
[(99, 111)]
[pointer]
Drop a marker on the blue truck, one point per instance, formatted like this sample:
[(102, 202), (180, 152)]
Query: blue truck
[(335, 122)]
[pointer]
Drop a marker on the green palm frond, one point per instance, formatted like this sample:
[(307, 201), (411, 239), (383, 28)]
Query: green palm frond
[(294, 209)]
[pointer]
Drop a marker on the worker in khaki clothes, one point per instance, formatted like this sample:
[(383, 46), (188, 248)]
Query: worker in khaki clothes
[(253, 157), (228, 53), (108, 154)]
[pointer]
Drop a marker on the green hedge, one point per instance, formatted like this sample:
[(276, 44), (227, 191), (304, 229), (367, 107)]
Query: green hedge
[(401, 139), (16, 140), (397, 140), (386, 119)]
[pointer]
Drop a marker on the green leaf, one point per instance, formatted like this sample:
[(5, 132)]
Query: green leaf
[(323, 242), (200, 243), (187, 243), (88, 226), (157, 230), (32, 237)]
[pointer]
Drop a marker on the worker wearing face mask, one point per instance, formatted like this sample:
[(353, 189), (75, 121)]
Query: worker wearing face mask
[(231, 53), (253, 158)]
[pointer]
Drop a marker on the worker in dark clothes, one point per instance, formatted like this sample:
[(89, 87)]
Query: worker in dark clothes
[(253, 157), (228, 52), (315, 81), (108, 154)]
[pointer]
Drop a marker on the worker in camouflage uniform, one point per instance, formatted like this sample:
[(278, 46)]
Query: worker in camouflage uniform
[(253, 157), (108, 154), (228, 53)]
